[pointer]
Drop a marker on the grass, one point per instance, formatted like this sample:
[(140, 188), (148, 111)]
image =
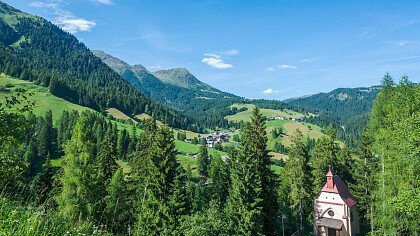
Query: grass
[(190, 134), (188, 162), (278, 156), (19, 218), (43, 99), (246, 115), (117, 114)]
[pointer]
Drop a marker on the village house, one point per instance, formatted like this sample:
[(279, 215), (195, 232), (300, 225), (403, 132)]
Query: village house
[(335, 212)]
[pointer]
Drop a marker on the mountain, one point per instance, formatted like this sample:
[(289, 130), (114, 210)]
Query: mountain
[(179, 89), (340, 103), (183, 78), (349, 108), (39, 51)]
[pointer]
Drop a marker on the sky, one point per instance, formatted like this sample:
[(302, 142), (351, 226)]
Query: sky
[(255, 49)]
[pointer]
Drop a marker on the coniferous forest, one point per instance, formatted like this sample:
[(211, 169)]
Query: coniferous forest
[(83, 173)]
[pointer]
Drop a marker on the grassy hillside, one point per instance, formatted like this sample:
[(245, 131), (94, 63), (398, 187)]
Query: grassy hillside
[(246, 115), (43, 99)]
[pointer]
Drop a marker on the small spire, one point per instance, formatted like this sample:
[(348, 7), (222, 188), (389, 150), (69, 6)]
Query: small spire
[(330, 180), (330, 173)]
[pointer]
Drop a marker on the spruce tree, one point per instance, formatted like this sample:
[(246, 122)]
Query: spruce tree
[(297, 175), (31, 157), (156, 168), (364, 175), (45, 137), (117, 204), (323, 157), (203, 161), (105, 164), (219, 175), (394, 127), (42, 184), (179, 201), (252, 205), (76, 199)]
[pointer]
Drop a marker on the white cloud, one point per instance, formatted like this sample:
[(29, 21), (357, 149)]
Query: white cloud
[(216, 63), (212, 55), (402, 43), (43, 5), (215, 59), (306, 60), (104, 2), (232, 52), (282, 66), (74, 25), (65, 19), (270, 91)]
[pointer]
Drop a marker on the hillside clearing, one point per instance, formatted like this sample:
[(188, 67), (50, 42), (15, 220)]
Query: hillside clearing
[(246, 115)]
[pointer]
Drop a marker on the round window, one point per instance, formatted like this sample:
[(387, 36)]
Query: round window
[(331, 213)]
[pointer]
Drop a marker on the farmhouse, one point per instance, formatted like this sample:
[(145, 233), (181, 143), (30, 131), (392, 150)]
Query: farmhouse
[(335, 212)]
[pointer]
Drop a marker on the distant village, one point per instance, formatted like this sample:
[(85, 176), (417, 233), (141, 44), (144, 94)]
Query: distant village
[(215, 137), (223, 136), (284, 118)]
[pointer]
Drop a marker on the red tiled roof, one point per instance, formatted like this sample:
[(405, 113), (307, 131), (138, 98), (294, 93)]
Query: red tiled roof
[(340, 188)]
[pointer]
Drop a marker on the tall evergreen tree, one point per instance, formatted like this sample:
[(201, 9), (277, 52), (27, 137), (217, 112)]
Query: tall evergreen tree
[(122, 144), (324, 156), (219, 175), (76, 199), (364, 174), (117, 204), (31, 157), (297, 174), (203, 160), (105, 164), (42, 184), (156, 167), (252, 205), (394, 127), (45, 137)]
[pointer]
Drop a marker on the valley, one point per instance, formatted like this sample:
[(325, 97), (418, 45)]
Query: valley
[(93, 145)]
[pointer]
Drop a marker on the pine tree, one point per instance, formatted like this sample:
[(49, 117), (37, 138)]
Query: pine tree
[(219, 175), (346, 166), (45, 137), (323, 157), (252, 204), (179, 201), (117, 204), (364, 172), (203, 161), (122, 144), (105, 164), (296, 172), (42, 184), (394, 127), (31, 157), (156, 169), (77, 199)]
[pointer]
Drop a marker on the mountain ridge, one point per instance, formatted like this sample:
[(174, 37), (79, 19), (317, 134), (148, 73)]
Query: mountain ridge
[(40, 51)]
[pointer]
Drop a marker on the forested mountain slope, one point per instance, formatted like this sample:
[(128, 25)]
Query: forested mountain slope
[(341, 103), (179, 89), (40, 51), (348, 108)]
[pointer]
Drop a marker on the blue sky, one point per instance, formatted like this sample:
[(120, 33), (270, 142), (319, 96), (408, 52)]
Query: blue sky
[(256, 49)]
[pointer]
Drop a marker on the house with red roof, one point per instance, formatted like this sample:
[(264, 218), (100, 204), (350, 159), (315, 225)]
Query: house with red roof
[(335, 212)]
